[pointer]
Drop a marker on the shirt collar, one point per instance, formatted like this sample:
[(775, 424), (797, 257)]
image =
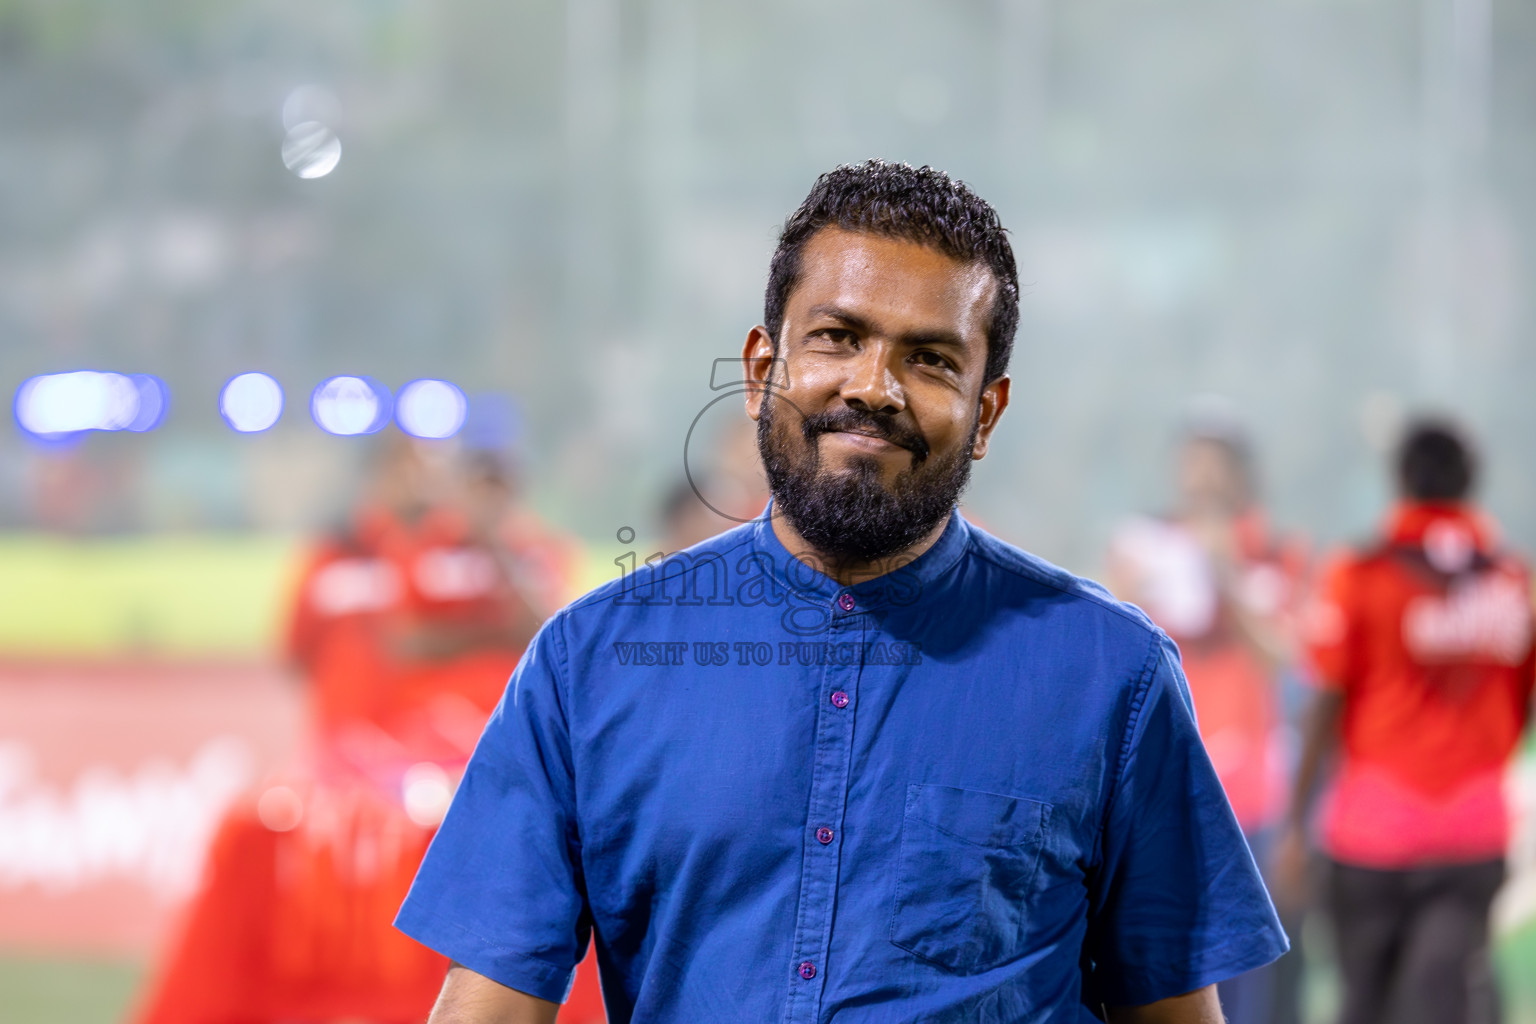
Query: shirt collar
[(903, 583), (1412, 522)]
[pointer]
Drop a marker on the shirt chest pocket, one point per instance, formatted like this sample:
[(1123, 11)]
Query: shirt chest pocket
[(966, 868)]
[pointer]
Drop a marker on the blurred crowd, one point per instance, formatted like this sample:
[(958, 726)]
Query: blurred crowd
[(1361, 710), (405, 625)]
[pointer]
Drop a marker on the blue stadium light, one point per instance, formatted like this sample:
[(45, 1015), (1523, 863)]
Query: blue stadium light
[(432, 409), (154, 403), (350, 405), (251, 402), (59, 405)]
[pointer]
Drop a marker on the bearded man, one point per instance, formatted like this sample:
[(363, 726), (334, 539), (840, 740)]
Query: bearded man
[(856, 760)]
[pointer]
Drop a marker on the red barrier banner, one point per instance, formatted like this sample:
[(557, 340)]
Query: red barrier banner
[(113, 777)]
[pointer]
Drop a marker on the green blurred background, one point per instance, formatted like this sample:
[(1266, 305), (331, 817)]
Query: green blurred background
[(1320, 208)]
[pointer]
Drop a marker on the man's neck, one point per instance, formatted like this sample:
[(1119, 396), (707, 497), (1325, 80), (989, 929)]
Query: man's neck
[(846, 571)]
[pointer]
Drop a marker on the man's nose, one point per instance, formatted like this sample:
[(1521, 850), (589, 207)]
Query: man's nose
[(873, 383)]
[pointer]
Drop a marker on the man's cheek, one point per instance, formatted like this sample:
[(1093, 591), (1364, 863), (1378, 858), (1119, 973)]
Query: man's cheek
[(810, 380)]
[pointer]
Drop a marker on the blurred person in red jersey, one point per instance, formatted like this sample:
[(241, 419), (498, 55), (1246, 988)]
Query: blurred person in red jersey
[(544, 563), (406, 625), (1422, 649), (1214, 577)]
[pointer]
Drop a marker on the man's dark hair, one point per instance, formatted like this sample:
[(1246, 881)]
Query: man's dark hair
[(916, 204), (1435, 462)]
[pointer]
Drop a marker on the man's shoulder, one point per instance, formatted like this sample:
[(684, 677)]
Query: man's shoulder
[(1016, 569)]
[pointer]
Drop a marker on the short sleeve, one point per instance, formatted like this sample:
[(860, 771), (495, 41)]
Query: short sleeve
[(1330, 626), (500, 889), (1176, 901)]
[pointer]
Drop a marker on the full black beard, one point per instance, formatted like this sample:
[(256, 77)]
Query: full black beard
[(852, 516)]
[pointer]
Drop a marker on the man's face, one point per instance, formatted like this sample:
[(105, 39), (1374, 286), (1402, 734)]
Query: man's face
[(1210, 483), (868, 428), (402, 481)]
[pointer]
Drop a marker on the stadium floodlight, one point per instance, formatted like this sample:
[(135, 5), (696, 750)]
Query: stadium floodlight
[(432, 409), (57, 405), (311, 150), (348, 406), (154, 403), (251, 402)]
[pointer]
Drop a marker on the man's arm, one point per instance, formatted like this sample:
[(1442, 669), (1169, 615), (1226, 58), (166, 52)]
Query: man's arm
[(1198, 1007), (470, 998), (1320, 733)]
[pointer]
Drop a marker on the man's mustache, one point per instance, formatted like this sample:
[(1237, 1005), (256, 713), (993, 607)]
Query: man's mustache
[(859, 421)]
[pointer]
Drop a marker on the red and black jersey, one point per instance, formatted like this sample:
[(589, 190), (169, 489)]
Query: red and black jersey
[(1428, 636)]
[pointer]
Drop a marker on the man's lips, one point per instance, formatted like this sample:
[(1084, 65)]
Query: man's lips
[(868, 442)]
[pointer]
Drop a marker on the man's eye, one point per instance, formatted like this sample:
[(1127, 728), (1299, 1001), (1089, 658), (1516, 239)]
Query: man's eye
[(836, 335), (932, 359)]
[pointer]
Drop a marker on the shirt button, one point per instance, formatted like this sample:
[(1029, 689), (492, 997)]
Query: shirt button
[(845, 602), (823, 835), (807, 970), (839, 699)]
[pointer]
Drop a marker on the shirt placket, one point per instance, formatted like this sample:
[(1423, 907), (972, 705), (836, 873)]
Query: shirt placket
[(837, 701)]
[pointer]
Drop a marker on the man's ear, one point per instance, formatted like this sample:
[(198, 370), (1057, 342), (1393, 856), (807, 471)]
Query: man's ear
[(994, 399), (757, 364)]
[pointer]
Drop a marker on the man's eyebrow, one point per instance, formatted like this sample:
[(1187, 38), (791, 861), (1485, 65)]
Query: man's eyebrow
[(841, 315), (914, 339)]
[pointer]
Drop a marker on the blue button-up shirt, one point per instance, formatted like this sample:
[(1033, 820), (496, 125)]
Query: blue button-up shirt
[(970, 789)]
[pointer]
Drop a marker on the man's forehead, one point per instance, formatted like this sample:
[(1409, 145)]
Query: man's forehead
[(893, 276)]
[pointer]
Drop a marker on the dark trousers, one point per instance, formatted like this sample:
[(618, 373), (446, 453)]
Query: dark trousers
[(1413, 945)]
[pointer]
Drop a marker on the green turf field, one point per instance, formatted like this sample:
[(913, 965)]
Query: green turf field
[(1517, 970), (39, 991), (177, 596), (187, 595)]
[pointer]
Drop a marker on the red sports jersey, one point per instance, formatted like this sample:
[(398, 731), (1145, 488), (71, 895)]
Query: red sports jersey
[(361, 595), (293, 919), (1429, 638), (1175, 581)]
